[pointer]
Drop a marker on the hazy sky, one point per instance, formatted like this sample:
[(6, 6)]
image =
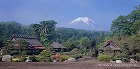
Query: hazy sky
[(64, 11)]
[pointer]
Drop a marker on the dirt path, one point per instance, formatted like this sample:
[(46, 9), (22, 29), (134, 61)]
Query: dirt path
[(86, 64)]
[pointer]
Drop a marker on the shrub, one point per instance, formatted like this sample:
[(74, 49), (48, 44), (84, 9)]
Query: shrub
[(0, 58), (125, 60), (137, 57), (122, 55), (15, 59), (22, 59), (64, 57), (105, 58), (45, 53), (77, 56), (53, 57), (43, 59), (114, 59), (33, 58)]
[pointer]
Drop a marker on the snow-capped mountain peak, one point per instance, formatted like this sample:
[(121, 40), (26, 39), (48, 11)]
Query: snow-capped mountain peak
[(83, 23), (82, 19)]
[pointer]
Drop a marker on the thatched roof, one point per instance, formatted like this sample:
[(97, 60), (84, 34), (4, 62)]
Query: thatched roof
[(111, 45), (32, 40), (57, 45), (23, 36)]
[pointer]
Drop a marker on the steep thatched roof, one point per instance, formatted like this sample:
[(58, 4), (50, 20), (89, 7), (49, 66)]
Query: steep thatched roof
[(23, 36), (57, 45), (111, 45), (32, 40)]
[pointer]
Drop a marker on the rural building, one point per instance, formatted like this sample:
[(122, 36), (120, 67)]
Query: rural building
[(58, 47), (32, 43), (110, 47)]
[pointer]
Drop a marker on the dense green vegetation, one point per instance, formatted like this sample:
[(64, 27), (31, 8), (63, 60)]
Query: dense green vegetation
[(125, 33), (46, 32)]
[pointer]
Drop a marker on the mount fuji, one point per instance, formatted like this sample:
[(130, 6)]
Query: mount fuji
[(83, 23)]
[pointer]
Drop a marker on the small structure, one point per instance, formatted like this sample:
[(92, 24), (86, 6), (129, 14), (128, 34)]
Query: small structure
[(58, 47), (110, 46)]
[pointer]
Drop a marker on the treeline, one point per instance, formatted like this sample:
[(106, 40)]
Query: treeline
[(127, 24), (125, 33), (48, 33)]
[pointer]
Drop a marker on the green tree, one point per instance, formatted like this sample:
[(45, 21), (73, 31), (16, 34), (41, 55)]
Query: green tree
[(85, 44), (44, 30), (71, 43)]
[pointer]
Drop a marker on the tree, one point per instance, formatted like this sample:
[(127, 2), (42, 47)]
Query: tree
[(44, 30), (71, 43), (85, 44), (134, 42), (121, 26), (126, 25)]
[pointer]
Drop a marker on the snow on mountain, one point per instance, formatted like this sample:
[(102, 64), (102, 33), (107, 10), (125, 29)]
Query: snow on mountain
[(83, 23)]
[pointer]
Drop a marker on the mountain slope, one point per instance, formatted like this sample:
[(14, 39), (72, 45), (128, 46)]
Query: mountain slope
[(83, 23)]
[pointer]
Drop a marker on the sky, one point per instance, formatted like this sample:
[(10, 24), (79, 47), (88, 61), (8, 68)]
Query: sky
[(102, 12)]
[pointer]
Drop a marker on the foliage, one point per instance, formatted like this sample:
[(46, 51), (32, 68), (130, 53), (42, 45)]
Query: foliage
[(22, 58), (45, 53), (33, 58), (122, 55), (44, 30), (137, 57), (44, 56), (7, 29), (15, 59), (43, 59), (127, 25), (77, 56), (125, 59), (105, 58), (53, 57), (0, 58), (19, 59), (63, 58), (75, 51)]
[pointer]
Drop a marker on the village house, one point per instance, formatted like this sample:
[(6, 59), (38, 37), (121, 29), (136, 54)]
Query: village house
[(58, 47), (33, 43), (110, 48)]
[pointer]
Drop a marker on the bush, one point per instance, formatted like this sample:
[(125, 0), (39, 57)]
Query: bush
[(33, 58), (64, 57), (43, 59), (53, 57), (22, 59), (114, 59), (125, 60), (77, 56), (137, 57), (105, 58), (15, 59), (122, 55), (0, 58)]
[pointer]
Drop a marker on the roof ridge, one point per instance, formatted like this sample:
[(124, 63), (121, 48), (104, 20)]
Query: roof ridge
[(24, 36)]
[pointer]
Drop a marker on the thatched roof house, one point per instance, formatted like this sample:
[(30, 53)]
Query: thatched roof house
[(32, 40), (111, 45), (57, 46), (110, 48)]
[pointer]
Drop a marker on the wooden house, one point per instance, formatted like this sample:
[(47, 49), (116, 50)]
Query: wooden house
[(110, 47), (58, 47), (33, 43)]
